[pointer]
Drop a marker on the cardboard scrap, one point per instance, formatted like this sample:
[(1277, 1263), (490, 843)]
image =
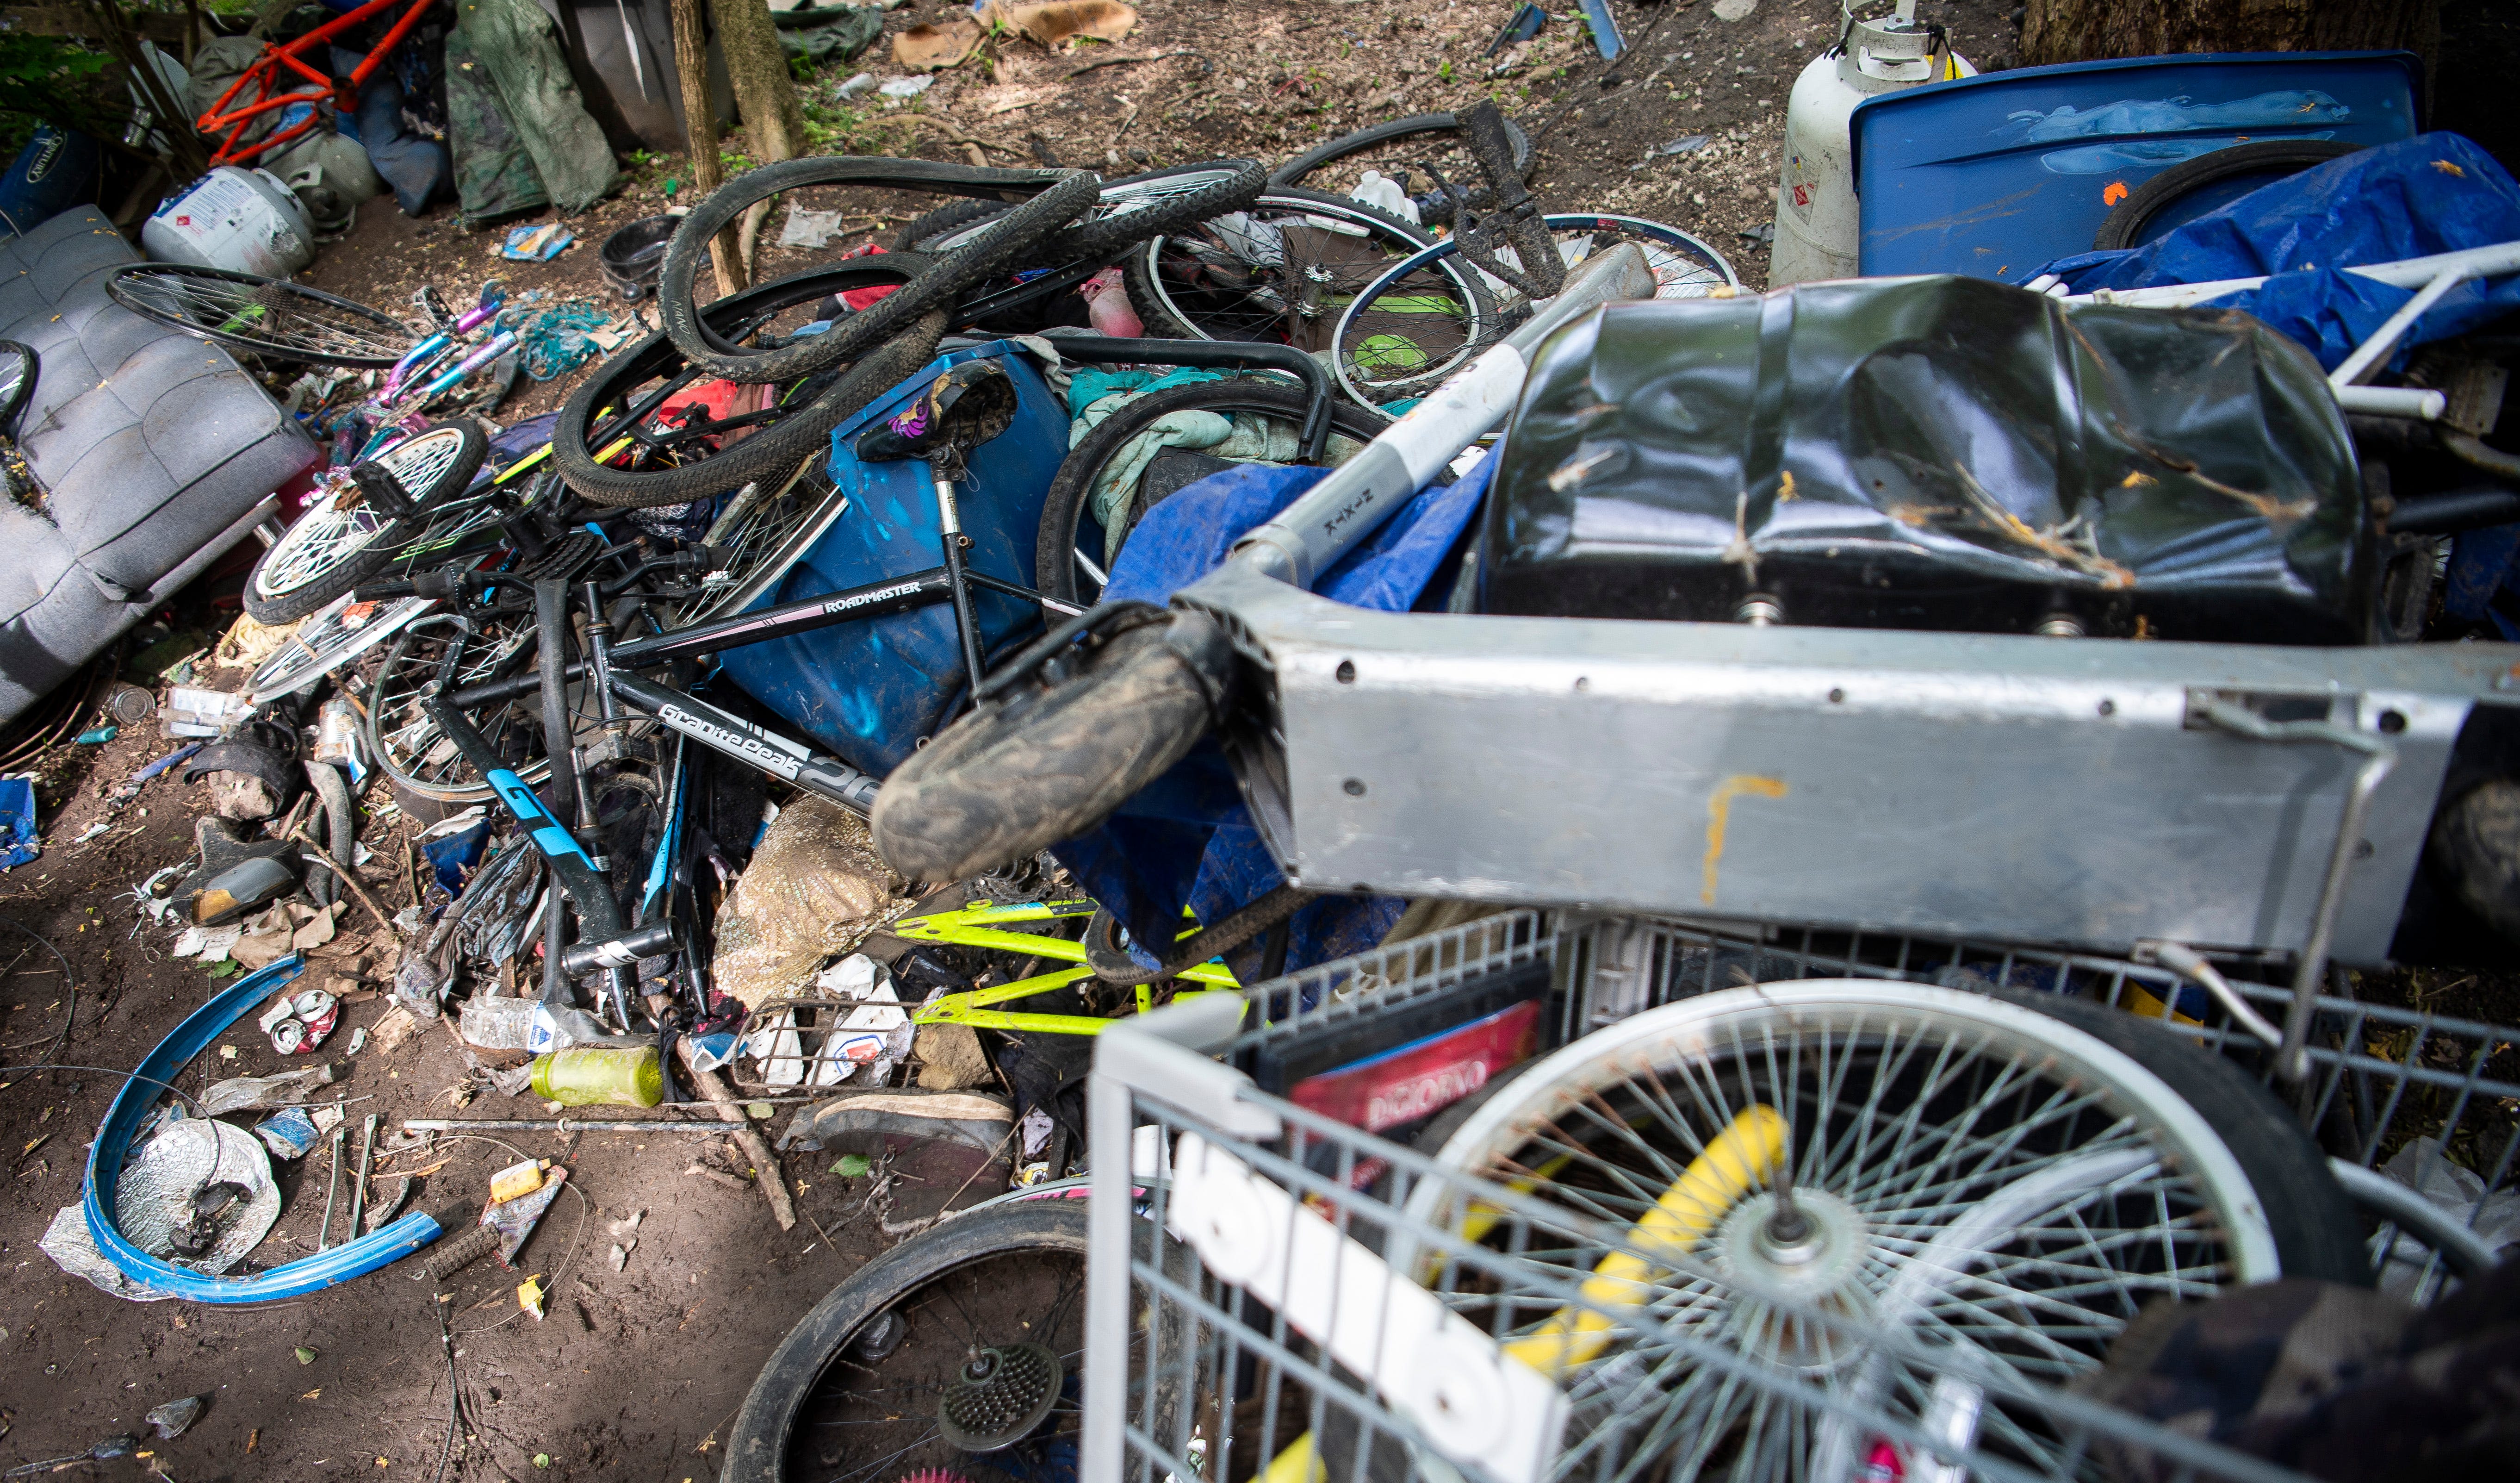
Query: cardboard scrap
[(1054, 23), (928, 47)]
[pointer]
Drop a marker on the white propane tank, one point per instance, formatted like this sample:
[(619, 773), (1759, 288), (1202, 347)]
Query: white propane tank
[(246, 221), (1817, 234)]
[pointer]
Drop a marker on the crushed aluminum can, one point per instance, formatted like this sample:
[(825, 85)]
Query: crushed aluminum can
[(298, 1023)]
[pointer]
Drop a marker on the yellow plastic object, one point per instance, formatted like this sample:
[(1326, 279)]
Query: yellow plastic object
[(1298, 1463), (516, 1182), (585, 1075), (1735, 1162), (529, 1296), (985, 925)]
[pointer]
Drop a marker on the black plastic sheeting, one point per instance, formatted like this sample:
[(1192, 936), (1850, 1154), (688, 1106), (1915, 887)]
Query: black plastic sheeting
[(1940, 453)]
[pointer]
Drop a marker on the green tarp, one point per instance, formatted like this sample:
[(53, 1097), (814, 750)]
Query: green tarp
[(819, 33)]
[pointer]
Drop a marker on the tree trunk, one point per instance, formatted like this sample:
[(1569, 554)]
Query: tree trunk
[(699, 131), (765, 97), (2085, 30)]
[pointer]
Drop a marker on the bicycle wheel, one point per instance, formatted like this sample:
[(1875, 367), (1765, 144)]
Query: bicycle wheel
[(1279, 271), (2005, 1180), (961, 1347), (420, 760), (20, 367), (1407, 332), (613, 447), (325, 640), (343, 537), (1091, 508), (1062, 194), (1402, 150), (1131, 209), (767, 528), (264, 316)]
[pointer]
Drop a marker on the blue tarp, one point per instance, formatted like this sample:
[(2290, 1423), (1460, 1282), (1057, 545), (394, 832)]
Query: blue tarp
[(2434, 192), (1186, 840), (20, 843)]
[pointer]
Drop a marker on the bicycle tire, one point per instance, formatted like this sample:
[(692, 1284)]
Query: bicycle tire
[(1684, 266), (2055, 1168), (768, 452), (1015, 777), (1019, 228), (766, 1427), (1241, 182), (336, 331), (19, 369), (1166, 316), (1065, 506), (2126, 223), (1433, 207), (324, 554), (419, 763)]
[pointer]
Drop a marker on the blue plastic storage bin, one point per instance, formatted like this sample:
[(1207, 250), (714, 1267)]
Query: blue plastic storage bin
[(869, 691), (1994, 175)]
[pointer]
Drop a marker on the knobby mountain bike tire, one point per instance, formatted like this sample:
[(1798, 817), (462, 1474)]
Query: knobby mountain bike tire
[(1279, 302), (1062, 196), (341, 539), (1025, 770), (1131, 209), (1067, 507), (596, 414), (269, 317), (1383, 139)]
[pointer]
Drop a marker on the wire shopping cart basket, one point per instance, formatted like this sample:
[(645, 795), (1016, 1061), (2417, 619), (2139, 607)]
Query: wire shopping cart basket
[(1328, 1303)]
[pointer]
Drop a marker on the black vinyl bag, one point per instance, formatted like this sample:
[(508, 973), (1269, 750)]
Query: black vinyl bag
[(1932, 453)]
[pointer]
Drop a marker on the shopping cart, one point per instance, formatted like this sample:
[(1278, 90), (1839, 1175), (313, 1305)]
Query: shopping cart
[(1333, 1305)]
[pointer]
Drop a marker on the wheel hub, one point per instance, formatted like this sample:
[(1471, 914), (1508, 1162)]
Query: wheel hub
[(999, 1396), (1814, 1254)]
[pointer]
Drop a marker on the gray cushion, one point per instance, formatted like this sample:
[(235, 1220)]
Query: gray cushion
[(153, 443)]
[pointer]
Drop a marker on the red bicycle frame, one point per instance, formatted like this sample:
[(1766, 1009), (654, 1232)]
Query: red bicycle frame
[(267, 73)]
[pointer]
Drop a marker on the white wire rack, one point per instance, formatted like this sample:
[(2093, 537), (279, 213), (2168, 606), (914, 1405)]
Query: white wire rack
[(1306, 1321)]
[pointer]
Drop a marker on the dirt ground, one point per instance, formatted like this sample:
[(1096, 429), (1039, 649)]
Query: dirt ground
[(634, 1374)]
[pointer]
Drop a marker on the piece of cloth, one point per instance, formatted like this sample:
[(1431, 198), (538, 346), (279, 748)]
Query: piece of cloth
[(828, 32), (516, 45), (417, 168), (2434, 192), (494, 176), (1186, 840)]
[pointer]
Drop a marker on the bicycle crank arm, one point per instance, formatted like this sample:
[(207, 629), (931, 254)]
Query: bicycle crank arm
[(778, 755)]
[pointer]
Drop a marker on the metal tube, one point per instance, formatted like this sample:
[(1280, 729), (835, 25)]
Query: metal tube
[(324, 1234), (1310, 535), (2188, 962), (1109, 1241), (2392, 402), (367, 1158), (2368, 355), (2292, 1059), (967, 623)]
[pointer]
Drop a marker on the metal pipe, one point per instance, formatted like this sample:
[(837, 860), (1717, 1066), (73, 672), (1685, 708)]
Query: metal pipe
[(2491, 261), (324, 1234), (367, 1159), (2292, 1057), (2188, 962), (2375, 348)]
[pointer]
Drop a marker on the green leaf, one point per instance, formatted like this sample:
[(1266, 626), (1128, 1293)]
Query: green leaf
[(852, 1166)]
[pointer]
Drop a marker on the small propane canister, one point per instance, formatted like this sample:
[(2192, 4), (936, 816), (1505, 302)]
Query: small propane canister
[(1816, 220)]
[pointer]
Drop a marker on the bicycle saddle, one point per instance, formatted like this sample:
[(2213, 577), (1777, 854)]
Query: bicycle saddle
[(962, 408)]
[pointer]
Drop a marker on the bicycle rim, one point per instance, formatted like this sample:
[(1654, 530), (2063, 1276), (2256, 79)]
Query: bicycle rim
[(340, 525), (1281, 271), (420, 758), (262, 315), (328, 639), (1976, 1176), (768, 531), (1404, 334)]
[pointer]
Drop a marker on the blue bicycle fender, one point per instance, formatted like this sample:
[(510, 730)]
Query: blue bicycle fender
[(131, 1107)]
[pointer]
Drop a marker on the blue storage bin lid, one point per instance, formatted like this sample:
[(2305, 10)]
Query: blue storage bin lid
[(1992, 176)]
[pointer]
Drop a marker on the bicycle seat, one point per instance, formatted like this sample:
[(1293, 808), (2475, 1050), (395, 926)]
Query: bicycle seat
[(962, 408)]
